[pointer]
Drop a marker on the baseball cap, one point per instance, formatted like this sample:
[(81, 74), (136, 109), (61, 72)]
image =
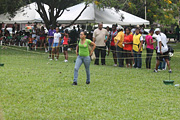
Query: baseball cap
[(157, 29)]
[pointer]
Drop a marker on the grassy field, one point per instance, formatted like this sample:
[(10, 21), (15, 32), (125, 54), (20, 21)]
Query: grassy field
[(33, 88)]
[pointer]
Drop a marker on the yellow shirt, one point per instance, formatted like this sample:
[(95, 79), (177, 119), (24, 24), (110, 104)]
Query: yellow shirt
[(137, 42), (120, 37)]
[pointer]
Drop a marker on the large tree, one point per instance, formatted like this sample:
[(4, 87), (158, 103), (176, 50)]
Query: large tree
[(161, 11)]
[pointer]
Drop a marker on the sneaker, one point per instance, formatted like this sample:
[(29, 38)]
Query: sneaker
[(46, 50), (65, 61), (87, 83), (155, 71), (115, 65), (50, 59), (56, 59), (74, 83), (170, 71)]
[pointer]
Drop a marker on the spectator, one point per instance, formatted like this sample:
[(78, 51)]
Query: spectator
[(119, 39), (30, 42), (100, 41), (177, 32), (112, 43), (65, 45), (73, 35), (137, 48), (83, 56), (149, 48), (162, 51), (43, 39), (50, 40), (108, 41), (128, 44), (55, 44)]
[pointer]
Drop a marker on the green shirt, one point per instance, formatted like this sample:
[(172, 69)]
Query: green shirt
[(83, 48)]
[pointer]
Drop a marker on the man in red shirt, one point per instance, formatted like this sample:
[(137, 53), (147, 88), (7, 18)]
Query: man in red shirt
[(128, 45), (113, 48)]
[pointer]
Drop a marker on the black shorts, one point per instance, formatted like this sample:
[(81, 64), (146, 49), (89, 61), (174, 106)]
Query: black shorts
[(113, 49), (65, 47), (108, 44), (161, 56)]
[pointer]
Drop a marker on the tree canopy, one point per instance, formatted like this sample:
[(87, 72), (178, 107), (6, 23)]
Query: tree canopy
[(160, 11)]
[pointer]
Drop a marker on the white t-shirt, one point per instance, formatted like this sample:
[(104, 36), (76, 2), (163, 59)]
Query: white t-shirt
[(162, 37), (56, 37), (100, 35)]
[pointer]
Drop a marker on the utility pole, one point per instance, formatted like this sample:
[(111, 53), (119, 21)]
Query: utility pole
[(145, 12)]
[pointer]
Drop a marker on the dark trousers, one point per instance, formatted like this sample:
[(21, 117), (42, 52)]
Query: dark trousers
[(30, 46), (149, 54), (102, 50), (120, 56), (137, 59)]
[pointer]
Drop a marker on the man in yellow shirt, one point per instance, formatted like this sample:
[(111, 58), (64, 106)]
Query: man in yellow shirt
[(119, 46)]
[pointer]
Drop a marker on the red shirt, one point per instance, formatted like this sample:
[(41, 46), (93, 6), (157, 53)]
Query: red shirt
[(30, 40), (112, 38), (65, 40), (128, 39)]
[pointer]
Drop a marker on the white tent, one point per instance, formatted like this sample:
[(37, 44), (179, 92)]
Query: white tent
[(25, 14), (93, 14)]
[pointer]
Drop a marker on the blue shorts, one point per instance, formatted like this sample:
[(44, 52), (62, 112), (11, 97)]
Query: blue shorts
[(55, 45), (50, 46)]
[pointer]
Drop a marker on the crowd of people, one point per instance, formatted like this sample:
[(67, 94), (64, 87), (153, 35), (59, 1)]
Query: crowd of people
[(126, 44)]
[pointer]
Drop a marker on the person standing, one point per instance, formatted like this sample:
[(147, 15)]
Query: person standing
[(65, 44), (149, 48), (50, 40), (73, 35), (162, 52), (83, 56), (99, 39), (119, 39), (112, 43), (108, 40), (137, 48), (177, 32), (128, 44), (43, 38), (55, 44)]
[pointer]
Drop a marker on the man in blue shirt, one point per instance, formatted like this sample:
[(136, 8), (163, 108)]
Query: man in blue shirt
[(51, 38)]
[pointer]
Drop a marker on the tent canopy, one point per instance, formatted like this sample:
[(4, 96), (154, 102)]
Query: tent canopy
[(25, 14), (93, 14)]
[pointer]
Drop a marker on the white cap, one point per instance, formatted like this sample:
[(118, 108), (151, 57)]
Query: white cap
[(157, 29), (120, 27)]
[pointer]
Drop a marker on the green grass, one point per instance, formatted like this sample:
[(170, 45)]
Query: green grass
[(31, 89)]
